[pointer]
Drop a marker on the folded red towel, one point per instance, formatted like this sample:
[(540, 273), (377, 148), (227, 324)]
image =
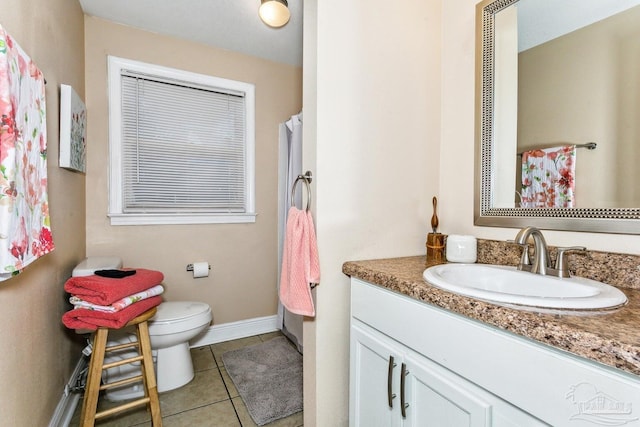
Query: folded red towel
[(107, 290), (82, 318)]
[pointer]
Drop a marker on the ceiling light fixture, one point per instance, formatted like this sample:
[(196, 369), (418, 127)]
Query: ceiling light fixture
[(274, 13)]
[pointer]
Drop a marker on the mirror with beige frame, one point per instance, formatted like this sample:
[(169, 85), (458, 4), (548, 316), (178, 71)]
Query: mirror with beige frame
[(558, 114)]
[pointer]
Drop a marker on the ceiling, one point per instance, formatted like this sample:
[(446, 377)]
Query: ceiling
[(542, 20), (229, 24)]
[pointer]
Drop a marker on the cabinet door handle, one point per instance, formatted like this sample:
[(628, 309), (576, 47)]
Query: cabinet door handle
[(390, 395), (403, 404)]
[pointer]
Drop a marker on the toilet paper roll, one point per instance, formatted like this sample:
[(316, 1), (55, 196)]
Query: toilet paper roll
[(200, 269)]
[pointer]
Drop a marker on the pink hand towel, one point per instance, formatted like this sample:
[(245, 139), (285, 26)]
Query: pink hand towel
[(106, 290), (82, 318), (300, 263), (314, 259)]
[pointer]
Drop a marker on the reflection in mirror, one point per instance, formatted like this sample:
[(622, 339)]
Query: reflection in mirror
[(553, 77)]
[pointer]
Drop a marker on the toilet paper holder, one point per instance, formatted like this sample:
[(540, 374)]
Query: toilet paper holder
[(190, 267)]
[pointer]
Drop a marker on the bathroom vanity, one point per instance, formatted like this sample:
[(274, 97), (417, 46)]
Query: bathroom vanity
[(423, 356)]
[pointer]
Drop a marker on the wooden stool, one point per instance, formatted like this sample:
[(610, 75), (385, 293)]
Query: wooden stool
[(97, 365)]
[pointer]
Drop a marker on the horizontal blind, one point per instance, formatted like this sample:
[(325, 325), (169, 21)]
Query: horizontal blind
[(183, 148)]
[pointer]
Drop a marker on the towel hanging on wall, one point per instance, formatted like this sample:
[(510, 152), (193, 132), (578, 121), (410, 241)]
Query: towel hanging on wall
[(300, 263), (25, 232), (548, 177)]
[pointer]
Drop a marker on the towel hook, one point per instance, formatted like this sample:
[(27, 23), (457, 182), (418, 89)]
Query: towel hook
[(307, 178)]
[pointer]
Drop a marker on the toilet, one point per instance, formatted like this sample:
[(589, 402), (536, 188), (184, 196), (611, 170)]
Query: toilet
[(174, 324)]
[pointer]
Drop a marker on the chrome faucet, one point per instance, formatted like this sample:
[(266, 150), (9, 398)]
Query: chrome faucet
[(541, 261)]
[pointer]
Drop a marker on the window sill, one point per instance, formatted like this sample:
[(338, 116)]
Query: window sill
[(172, 219)]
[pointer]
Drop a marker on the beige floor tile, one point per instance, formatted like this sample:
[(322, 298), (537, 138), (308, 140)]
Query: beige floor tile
[(231, 387), (202, 358), (220, 348), (206, 388), (202, 402), (219, 414), (294, 420), (270, 335), (124, 419)]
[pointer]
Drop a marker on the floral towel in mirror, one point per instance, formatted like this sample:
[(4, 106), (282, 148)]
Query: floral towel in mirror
[(548, 177), (25, 232)]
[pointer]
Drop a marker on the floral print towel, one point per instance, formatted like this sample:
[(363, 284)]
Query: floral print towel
[(120, 304), (25, 231), (548, 177)]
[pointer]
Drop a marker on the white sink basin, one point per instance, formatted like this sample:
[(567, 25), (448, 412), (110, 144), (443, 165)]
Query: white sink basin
[(506, 285)]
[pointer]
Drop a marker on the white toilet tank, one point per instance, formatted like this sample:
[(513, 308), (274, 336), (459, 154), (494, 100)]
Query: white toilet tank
[(89, 265)]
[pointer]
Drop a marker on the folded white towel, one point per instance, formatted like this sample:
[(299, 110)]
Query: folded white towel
[(120, 304)]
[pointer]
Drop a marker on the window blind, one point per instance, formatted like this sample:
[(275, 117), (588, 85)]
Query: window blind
[(183, 147)]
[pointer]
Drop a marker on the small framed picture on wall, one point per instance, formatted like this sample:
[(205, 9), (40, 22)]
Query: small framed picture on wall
[(73, 130)]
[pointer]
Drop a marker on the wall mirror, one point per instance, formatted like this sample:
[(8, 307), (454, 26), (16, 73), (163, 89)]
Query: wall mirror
[(558, 81)]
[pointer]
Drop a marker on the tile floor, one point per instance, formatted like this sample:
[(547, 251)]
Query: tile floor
[(210, 399)]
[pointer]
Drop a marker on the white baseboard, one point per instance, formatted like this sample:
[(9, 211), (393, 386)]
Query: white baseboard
[(236, 330), (215, 334), (67, 405)]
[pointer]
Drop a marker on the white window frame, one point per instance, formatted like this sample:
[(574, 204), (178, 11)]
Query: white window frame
[(116, 212)]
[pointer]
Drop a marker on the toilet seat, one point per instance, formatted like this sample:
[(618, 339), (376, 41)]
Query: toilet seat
[(174, 316)]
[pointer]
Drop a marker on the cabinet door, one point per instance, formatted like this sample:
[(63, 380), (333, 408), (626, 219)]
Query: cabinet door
[(439, 398), (374, 380)]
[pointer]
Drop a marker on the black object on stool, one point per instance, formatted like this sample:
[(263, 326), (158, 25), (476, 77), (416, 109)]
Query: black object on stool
[(97, 365), (114, 274)]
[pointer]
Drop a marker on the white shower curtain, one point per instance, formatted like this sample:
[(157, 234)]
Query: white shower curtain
[(289, 167)]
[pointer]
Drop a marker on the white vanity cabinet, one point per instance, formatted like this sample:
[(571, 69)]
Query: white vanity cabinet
[(446, 370), (391, 385)]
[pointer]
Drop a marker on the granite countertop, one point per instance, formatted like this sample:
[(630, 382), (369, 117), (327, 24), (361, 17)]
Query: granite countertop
[(611, 338)]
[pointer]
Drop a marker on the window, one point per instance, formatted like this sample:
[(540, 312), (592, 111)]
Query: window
[(181, 146)]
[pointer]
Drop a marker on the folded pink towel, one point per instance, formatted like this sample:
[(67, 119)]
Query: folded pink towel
[(82, 318), (105, 290), (300, 263)]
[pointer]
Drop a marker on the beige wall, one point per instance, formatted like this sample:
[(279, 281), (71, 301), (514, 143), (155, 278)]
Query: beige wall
[(374, 200), (583, 87), (38, 353), (309, 136), (242, 283), (374, 90)]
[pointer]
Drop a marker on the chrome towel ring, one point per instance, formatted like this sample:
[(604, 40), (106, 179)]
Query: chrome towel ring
[(307, 182)]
